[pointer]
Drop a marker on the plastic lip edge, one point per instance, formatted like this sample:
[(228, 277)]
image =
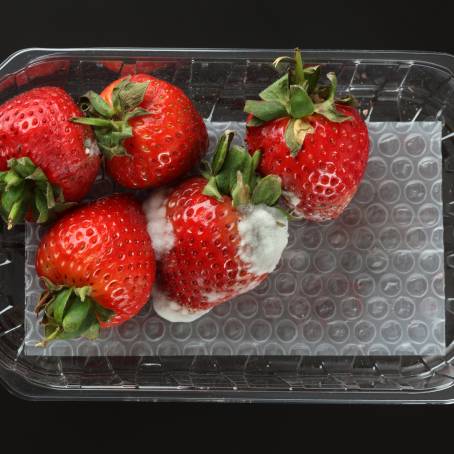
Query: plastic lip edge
[(186, 394), (399, 55)]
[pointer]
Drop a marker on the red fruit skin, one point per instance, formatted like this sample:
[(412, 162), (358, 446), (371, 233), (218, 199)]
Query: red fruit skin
[(166, 143), (204, 258), (328, 168), (36, 124), (104, 244)]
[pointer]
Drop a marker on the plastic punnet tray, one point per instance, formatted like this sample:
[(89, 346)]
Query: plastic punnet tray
[(390, 86)]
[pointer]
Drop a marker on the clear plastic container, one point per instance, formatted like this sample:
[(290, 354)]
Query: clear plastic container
[(390, 86)]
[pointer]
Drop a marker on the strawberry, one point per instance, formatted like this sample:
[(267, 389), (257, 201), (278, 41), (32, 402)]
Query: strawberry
[(148, 130), (318, 145), (45, 160), (215, 239), (98, 267)]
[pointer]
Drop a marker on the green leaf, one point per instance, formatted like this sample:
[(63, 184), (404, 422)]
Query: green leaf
[(51, 331), (98, 105), (332, 114), (286, 214), (48, 306), (23, 166), (312, 75), (267, 191), (25, 189), (3, 175), (211, 189), (61, 304), (116, 103), (92, 332), (279, 60), (70, 313), (17, 213), (12, 179), (117, 137), (103, 314), (83, 292), (132, 94), (348, 100), (37, 175), (222, 149), (50, 199), (12, 195), (113, 151), (240, 192), (255, 161), (205, 169), (137, 112), (110, 143), (333, 86), (290, 138), (295, 134), (76, 315), (58, 195), (48, 284), (41, 206), (246, 170), (278, 91), (234, 161), (89, 324), (327, 108), (92, 121), (254, 121), (301, 103), (265, 110), (59, 207), (299, 69), (111, 123)]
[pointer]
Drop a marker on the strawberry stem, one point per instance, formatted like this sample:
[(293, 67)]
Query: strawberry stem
[(25, 189), (296, 95), (70, 312), (111, 121), (299, 69), (233, 173)]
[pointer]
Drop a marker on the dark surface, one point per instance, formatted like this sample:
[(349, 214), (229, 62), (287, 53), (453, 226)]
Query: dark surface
[(320, 24), (356, 25)]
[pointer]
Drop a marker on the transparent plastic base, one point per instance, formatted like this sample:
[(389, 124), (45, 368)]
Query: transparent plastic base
[(369, 283)]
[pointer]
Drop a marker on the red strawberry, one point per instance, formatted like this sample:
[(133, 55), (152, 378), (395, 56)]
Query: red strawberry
[(148, 129), (50, 159), (318, 146), (215, 239), (98, 265)]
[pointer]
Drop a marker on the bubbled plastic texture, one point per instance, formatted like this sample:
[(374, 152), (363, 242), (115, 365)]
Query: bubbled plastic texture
[(369, 283)]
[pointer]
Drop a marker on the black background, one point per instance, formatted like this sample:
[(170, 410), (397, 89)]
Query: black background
[(262, 24)]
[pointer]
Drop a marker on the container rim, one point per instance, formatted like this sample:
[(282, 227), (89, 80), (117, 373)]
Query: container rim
[(27, 389), (443, 59)]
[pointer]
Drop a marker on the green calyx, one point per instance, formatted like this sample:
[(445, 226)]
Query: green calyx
[(111, 122), (70, 312), (232, 172), (25, 190), (297, 95)]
